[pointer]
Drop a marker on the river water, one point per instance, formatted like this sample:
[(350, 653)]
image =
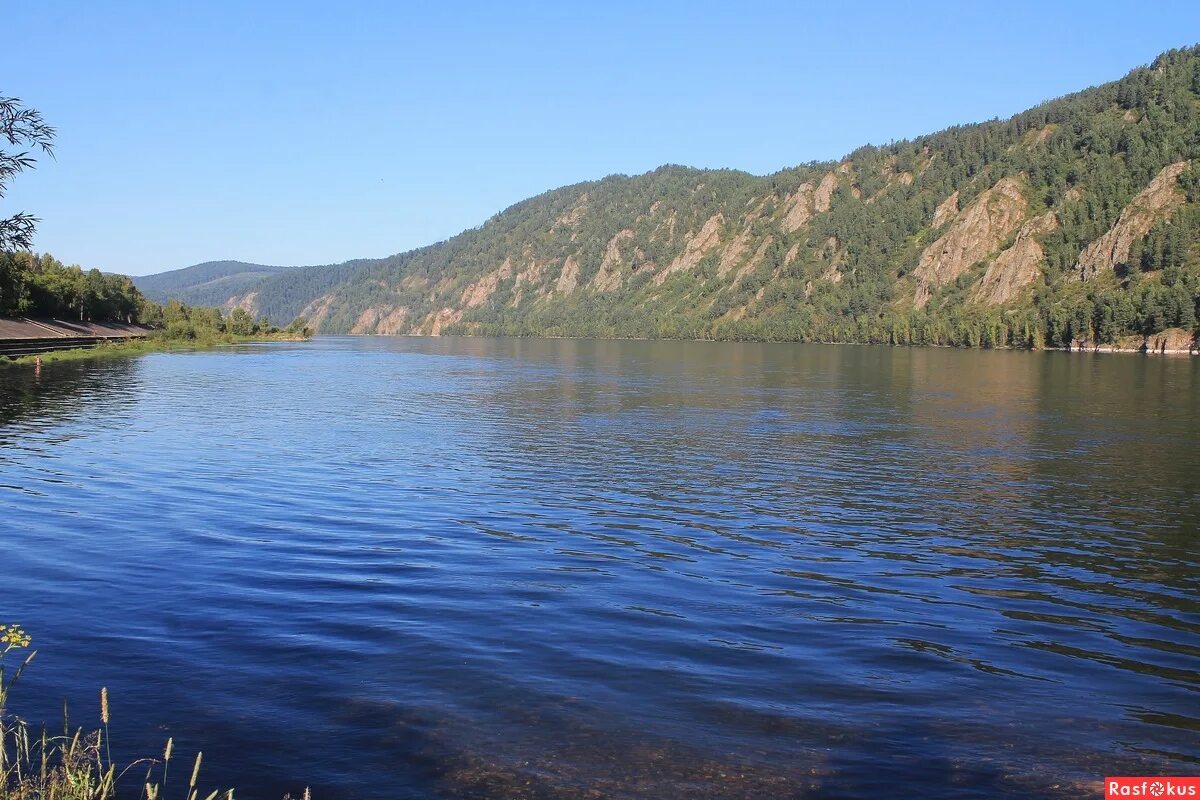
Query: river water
[(451, 568)]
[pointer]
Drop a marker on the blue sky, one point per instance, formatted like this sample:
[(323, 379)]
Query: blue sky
[(302, 132)]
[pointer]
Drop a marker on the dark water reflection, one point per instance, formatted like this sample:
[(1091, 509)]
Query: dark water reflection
[(522, 568)]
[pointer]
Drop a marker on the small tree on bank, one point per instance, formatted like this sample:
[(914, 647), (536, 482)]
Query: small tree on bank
[(24, 130)]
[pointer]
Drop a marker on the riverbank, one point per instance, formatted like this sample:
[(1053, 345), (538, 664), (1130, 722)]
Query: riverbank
[(28, 336), (1133, 345), (154, 343)]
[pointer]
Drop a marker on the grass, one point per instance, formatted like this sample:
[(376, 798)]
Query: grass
[(78, 765), (150, 344)]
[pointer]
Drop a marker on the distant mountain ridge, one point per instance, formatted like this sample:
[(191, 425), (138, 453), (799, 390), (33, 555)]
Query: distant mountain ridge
[(1077, 221), (212, 283)]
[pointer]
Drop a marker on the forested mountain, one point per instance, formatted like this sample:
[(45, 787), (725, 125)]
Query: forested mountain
[(209, 284), (1078, 220)]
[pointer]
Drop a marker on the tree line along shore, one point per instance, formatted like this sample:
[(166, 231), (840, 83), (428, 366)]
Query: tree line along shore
[(42, 299)]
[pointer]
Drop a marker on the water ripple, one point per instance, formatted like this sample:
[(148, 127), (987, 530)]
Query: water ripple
[(464, 568)]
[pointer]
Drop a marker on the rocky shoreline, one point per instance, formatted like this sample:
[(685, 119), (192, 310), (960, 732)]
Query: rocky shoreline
[(1174, 341)]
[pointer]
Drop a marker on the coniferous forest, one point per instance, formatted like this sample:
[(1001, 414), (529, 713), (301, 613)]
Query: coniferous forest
[(1077, 221)]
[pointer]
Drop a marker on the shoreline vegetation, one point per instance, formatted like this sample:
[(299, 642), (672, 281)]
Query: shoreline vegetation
[(78, 763), (156, 342), (161, 344), (1167, 343), (34, 285)]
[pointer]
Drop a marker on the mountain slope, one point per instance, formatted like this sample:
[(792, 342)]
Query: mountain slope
[(1076, 221), (209, 284)]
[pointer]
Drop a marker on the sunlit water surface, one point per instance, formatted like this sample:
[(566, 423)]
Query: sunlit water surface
[(393, 568)]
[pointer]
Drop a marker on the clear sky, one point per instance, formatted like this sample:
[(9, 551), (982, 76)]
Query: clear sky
[(313, 132)]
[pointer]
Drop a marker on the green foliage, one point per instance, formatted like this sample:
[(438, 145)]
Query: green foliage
[(42, 286), (20, 127), (206, 324)]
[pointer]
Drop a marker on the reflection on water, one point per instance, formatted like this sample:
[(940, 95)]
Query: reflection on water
[(527, 568)]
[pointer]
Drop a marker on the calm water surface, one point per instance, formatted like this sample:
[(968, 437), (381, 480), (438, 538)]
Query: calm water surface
[(423, 568)]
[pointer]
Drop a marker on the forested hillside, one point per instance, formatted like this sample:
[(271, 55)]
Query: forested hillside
[(1076, 221), (208, 284)]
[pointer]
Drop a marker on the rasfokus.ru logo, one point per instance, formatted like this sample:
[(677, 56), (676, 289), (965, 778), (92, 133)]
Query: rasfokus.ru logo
[(1151, 787)]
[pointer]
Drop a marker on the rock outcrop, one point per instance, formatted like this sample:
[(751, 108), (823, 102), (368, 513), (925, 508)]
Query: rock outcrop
[(978, 231), (799, 208), (568, 279), (1017, 266), (808, 201), (609, 277), (478, 292), (946, 210), (1172, 340), (318, 310), (696, 248), (1152, 205), (823, 196)]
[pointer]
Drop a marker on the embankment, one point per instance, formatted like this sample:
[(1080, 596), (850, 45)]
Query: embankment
[(23, 336)]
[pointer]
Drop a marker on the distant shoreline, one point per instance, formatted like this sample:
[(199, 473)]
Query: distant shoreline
[(1104, 348), (149, 344)]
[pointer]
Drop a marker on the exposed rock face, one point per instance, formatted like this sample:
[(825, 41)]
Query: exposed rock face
[(1016, 267), (696, 249), (395, 322), (529, 280), (478, 292), (946, 210), (1172, 340), (753, 263), (800, 208), (316, 311), (531, 275), (442, 319), (807, 201), (978, 232), (366, 321), (668, 225), (386, 320), (823, 196), (1152, 205), (733, 252), (609, 276), (245, 302), (568, 279)]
